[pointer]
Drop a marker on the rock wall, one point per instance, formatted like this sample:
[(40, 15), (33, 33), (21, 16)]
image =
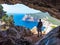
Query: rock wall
[(37, 4), (46, 6), (15, 36), (52, 38)]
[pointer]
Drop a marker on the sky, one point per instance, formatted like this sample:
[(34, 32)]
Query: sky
[(18, 8), (22, 9)]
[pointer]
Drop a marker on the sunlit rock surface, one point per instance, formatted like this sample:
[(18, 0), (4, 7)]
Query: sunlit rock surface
[(34, 30)]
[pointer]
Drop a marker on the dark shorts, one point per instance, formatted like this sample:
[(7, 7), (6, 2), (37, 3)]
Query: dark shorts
[(39, 29)]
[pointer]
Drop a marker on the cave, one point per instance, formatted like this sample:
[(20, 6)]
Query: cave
[(50, 6)]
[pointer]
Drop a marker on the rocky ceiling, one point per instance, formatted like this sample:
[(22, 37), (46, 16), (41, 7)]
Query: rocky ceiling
[(43, 5)]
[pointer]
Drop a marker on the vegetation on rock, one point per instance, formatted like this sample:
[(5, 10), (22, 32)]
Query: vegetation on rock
[(2, 12)]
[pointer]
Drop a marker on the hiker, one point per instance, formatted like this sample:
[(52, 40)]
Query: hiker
[(39, 26)]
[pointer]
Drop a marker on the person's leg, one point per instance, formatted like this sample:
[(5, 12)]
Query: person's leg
[(41, 33), (38, 32)]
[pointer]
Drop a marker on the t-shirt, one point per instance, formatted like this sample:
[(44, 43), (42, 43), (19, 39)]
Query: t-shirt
[(39, 25)]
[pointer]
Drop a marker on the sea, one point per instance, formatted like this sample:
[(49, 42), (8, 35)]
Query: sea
[(17, 18)]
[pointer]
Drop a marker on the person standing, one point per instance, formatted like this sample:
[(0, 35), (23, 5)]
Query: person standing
[(39, 28)]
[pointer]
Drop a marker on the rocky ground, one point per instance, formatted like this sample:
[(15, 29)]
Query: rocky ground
[(52, 38), (18, 32), (17, 36), (22, 36)]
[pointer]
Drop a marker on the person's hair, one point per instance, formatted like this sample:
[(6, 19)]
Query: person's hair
[(39, 19)]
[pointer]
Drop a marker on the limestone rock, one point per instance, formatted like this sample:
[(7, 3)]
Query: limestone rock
[(34, 30), (12, 36), (46, 6), (52, 38)]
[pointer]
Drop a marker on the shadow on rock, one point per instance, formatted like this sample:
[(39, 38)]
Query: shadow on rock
[(14, 36), (52, 38)]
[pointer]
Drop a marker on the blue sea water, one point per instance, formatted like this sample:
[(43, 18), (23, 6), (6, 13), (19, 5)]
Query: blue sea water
[(19, 22), (17, 18)]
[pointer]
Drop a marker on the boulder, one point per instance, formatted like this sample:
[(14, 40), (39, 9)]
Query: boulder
[(24, 31), (12, 36), (34, 30)]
